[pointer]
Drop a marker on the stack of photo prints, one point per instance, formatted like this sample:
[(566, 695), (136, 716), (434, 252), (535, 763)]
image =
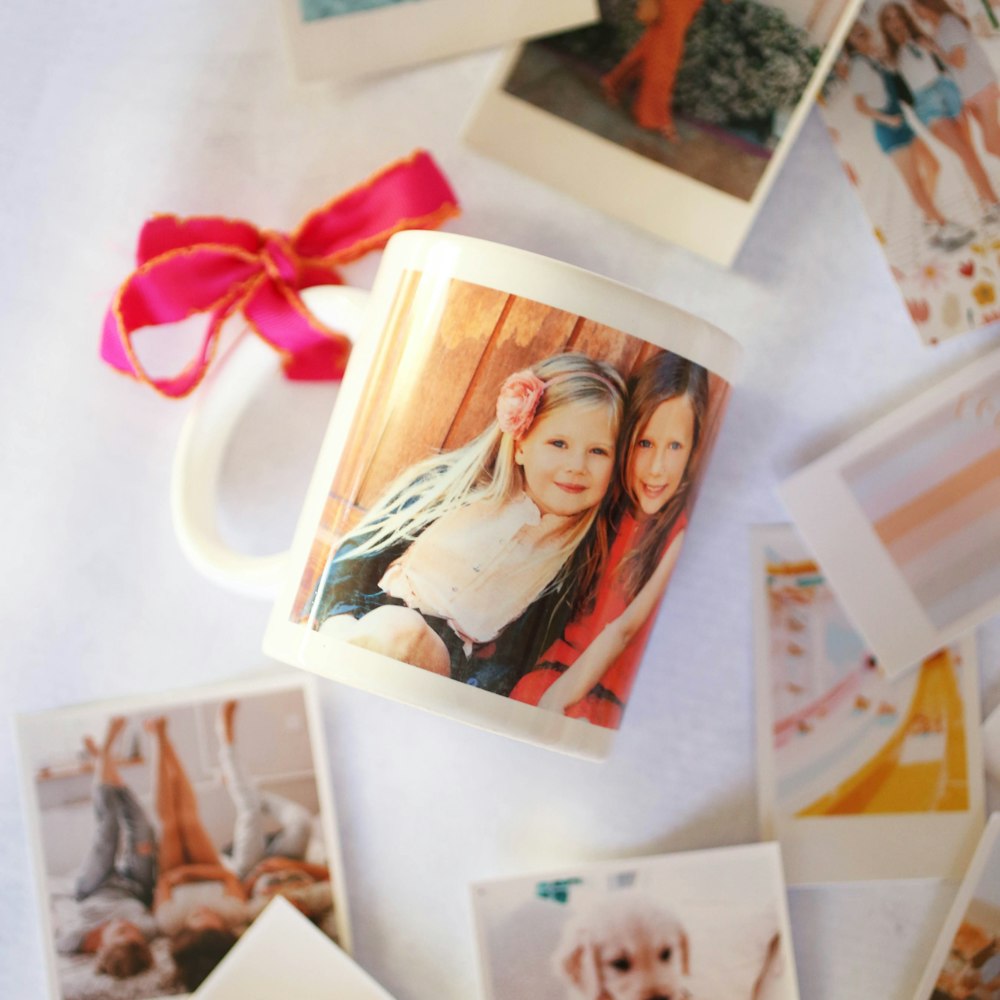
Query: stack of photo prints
[(187, 843)]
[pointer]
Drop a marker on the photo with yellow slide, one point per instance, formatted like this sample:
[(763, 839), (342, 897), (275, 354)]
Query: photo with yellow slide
[(846, 739)]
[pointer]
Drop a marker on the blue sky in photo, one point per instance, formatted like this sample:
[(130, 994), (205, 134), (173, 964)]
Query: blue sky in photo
[(316, 10)]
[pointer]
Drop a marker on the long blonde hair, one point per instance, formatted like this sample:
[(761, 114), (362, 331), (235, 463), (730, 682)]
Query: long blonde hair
[(484, 469)]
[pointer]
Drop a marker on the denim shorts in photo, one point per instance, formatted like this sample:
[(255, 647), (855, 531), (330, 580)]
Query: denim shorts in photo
[(892, 137), (939, 100)]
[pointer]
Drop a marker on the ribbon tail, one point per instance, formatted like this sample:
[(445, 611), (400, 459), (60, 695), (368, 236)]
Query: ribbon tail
[(310, 351), (410, 194)]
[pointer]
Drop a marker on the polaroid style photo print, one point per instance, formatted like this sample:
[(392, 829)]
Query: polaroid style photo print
[(161, 827), (283, 954), (965, 962), (904, 518), (913, 106), (711, 925), (673, 115), (345, 40), (859, 776)]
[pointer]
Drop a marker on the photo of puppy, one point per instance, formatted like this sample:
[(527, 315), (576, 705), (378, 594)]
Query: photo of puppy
[(701, 925), (624, 947)]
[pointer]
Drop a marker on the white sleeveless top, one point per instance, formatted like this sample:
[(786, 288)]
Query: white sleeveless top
[(977, 72), (479, 567)]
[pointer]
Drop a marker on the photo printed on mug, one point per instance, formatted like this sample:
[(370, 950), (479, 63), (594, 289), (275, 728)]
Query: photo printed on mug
[(513, 497)]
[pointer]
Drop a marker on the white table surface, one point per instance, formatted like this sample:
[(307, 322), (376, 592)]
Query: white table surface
[(113, 110)]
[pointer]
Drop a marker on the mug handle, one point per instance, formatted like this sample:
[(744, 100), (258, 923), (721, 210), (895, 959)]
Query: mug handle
[(228, 389)]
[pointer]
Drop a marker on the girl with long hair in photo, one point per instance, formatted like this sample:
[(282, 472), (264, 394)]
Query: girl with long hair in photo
[(466, 563), (876, 96), (588, 672), (654, 61), (968, 64), (936, 98)]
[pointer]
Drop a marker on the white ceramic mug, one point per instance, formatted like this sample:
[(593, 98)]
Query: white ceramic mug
[(501, 495)]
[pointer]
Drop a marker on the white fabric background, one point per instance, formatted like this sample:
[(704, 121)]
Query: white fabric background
[(113, 110)]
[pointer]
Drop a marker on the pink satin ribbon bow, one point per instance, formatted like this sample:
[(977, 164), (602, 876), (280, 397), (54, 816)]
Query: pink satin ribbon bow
[(223, 266)]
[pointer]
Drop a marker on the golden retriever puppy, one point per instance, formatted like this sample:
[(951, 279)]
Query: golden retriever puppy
[(623, 946)]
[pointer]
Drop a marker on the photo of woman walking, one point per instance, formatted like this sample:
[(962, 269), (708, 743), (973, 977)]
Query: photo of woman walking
[(653, 62)]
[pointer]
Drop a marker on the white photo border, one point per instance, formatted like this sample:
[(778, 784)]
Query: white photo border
[(762, 854), (352, 46), (657, 199), (821, 850), (30, 729), (872, 589), (984, 850)]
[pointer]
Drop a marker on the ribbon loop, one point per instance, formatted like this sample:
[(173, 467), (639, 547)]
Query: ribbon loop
[(219, 266)]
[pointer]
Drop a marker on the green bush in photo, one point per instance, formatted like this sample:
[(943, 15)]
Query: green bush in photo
[(743, 61)]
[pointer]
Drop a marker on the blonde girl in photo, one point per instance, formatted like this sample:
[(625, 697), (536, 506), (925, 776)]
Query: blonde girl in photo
[(968, 64), (588, 672), (473, 557)]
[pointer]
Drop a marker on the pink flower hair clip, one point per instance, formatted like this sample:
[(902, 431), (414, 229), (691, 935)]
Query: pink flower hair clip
[(517, 402)]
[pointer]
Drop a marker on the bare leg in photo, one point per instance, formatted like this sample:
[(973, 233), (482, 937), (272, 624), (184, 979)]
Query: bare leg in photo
[(183, 838), (393, 631), (928, 167), (908, 162), (950, 132), (984, 107)]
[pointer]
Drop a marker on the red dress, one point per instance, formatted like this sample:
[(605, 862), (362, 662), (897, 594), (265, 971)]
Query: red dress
[(605, 702)]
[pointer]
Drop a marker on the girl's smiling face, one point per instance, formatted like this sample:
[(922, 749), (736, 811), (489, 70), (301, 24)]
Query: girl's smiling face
[(567, 459), (861, 37), (894, 25), (660, 454)]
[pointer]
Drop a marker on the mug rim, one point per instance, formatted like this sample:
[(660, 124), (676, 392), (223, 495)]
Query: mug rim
[(724, 355)]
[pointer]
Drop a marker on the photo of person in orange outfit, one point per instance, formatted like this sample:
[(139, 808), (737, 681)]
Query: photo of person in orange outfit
[(704, 88), (654, 60)]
